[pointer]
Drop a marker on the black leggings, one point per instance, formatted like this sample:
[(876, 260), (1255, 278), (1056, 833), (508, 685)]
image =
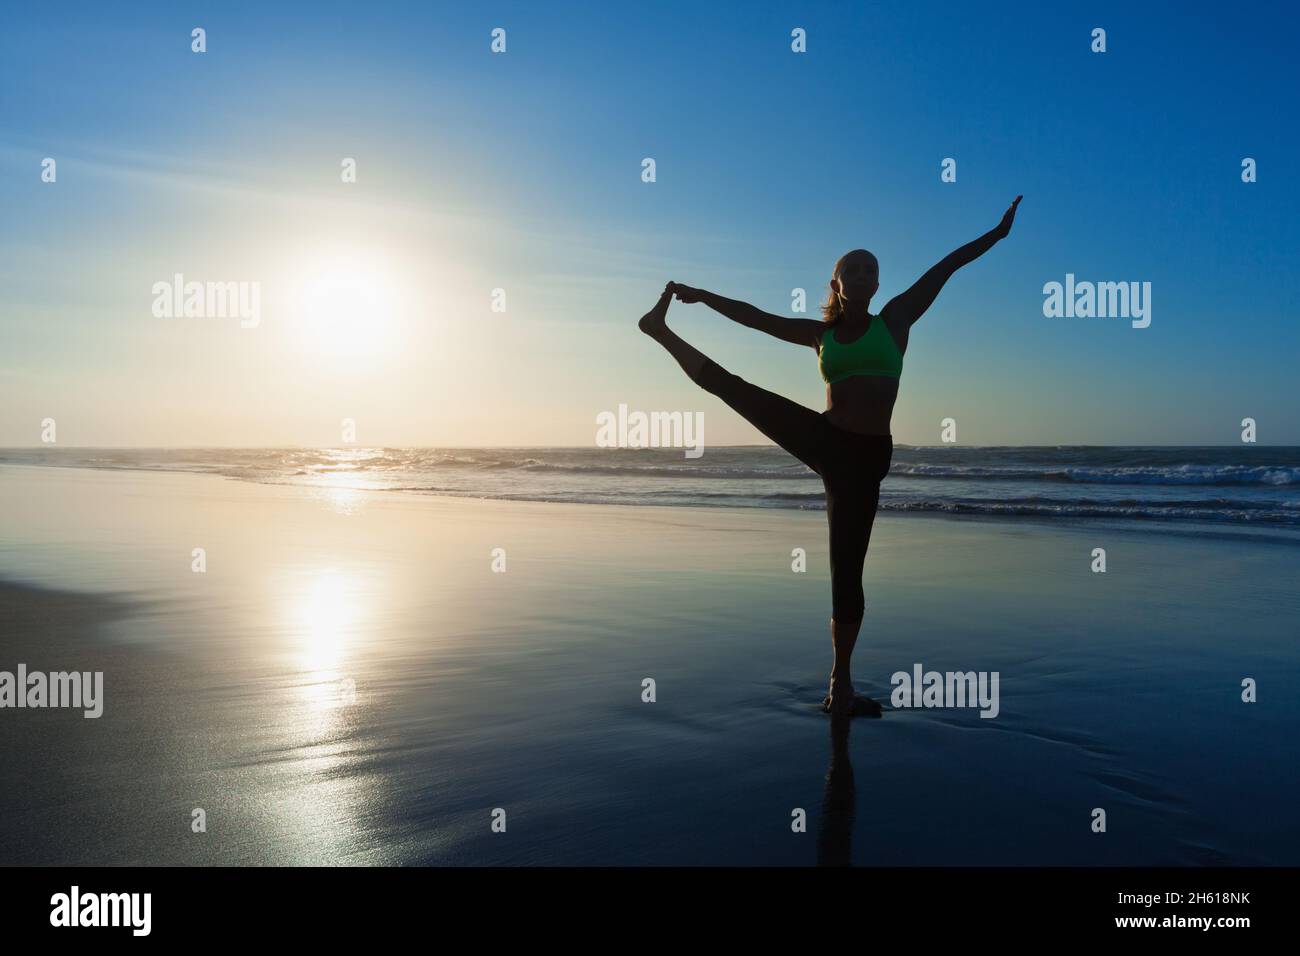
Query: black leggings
[(851, 467)]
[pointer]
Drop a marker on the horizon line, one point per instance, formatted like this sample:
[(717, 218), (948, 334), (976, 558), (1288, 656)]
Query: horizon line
[(4, 448)]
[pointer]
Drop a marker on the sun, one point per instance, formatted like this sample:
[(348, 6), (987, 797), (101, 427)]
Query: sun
[(346, 306)]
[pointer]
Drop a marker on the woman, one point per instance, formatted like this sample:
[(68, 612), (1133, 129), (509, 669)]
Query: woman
[(849, 445)]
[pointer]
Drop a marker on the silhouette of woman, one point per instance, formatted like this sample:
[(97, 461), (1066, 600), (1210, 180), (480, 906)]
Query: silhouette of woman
[(849, 445)]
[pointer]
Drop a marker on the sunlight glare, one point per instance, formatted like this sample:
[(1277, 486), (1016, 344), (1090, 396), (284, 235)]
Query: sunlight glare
[(347, 306)]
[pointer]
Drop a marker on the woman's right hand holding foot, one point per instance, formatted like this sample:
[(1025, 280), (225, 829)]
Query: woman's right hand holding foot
[(685, 293)]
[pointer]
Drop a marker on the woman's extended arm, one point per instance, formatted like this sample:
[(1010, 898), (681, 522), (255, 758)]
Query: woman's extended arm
[(911, 305), (797, 331)]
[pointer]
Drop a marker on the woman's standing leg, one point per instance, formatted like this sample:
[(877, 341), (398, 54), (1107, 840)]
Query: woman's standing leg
[(851, 513)]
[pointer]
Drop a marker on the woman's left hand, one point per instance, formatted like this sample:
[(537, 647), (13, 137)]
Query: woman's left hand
[(1008, 217)]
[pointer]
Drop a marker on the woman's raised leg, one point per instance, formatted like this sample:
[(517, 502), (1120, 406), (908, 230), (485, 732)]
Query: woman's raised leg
[(792, 426)]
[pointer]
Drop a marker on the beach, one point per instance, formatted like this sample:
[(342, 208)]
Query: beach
[(362, 677)]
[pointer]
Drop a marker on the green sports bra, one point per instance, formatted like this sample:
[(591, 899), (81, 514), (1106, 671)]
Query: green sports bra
[(873, 353)]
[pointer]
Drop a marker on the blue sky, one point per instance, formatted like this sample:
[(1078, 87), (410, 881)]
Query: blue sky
[(522, 171)]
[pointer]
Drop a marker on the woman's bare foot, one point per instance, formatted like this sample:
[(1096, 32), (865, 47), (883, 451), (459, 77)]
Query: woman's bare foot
[(841, 701), (654, 322), (839, 698)]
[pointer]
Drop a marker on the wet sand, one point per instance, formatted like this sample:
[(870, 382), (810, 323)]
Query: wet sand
[(351, 683)]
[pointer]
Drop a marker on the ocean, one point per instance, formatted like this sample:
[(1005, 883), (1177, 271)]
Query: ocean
[(1256, 487)]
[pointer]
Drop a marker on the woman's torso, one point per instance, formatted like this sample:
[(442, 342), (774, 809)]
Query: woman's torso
[(864, 403)]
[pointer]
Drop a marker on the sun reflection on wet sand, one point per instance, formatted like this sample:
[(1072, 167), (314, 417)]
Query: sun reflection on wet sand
[(344, 501), (330, 612), (343, 488), (325, 613)]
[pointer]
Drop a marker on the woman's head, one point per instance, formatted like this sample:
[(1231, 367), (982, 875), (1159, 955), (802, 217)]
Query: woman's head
[(854, 281)]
